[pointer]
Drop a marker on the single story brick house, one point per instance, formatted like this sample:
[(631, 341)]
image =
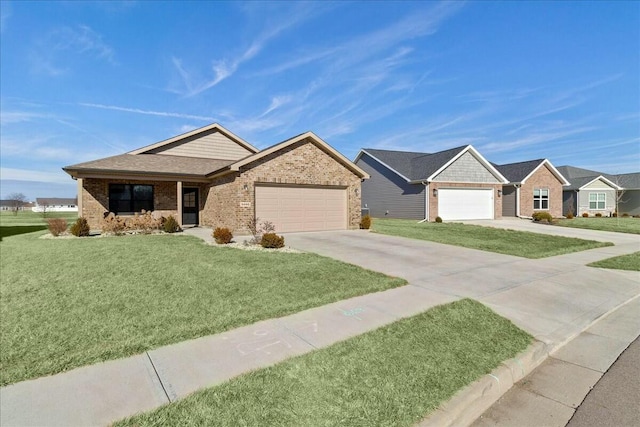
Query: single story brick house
[(455, 184), (212, 177), (534, 185)]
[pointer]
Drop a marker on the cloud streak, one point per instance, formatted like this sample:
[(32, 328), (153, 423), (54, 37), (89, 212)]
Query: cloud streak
[(148, 112)]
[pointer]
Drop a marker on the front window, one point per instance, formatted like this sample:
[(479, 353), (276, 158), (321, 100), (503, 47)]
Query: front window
[(597, 201), (541, 199), (130, 198)]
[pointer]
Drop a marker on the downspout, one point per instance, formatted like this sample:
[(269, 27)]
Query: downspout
[(426, 202)]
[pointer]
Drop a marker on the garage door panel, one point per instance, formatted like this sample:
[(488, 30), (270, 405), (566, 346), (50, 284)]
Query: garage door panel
[(302, 208), (467, 203)]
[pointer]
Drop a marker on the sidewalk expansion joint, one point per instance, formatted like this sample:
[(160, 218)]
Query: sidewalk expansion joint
[(292, 332), (155, 370)]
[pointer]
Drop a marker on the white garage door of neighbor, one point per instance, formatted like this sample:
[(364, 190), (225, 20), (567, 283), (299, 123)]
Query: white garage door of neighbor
[(298, 208), (465, 203)]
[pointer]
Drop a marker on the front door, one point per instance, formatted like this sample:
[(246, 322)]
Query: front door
[(189, 206)]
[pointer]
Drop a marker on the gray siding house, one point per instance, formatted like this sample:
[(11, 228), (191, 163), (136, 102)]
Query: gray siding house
[(593, 192), (454, 184)]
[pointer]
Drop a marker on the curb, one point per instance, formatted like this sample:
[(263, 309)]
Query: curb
[(469, 403), (472, 401)]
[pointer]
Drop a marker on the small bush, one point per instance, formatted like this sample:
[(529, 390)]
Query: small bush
[(222, 235), (143, 222), (272, 240), (170, 225), (80, 228), (585, 215), (57, 226), (365, 222), (542, 216), (438, 219), (615, 214), (598, 215), (625, 215), (569, 215), (257, 229)]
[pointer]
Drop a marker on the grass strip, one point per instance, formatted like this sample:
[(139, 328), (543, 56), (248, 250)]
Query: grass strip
[(509, 242), (392, 376), (72, 302), (623, 262), (619, 225)]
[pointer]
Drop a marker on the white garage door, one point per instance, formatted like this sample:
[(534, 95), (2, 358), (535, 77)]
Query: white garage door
[(297, 208), (465, 203)]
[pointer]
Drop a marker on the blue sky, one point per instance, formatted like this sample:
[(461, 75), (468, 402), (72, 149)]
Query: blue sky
[(517, 80)]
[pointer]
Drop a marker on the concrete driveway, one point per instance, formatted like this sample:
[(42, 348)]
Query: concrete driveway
[(554, 299)]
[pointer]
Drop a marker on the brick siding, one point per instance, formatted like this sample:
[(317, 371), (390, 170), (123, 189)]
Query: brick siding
[(542, 178)]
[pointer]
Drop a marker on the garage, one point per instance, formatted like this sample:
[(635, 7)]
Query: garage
[(465, 203), (302, 208)]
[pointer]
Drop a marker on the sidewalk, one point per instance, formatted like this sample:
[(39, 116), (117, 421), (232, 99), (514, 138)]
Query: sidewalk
[(554, 299)]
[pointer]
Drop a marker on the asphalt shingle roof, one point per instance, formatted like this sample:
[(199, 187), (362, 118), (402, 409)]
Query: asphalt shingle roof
[(153, 163), (516, 172), (414, 165)]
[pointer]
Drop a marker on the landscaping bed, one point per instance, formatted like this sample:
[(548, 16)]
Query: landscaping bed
[(509, 242), (393, 376), (72, 302)]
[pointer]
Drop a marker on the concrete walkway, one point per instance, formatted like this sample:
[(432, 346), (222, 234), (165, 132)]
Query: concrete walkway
[(554, 299)]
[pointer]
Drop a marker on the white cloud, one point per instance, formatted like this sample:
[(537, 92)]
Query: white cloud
[(34, 175), (149, 112)]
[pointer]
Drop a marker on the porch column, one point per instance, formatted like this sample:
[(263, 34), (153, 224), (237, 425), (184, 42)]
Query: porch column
[(179, 198), (80, 180)]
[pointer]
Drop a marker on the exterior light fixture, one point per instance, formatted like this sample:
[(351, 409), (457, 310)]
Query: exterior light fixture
[(499, 193), (245, 187), (435, 192), (356, 191)]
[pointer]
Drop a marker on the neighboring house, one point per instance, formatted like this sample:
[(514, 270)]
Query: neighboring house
[(534, 185), (55, 204), (455, 184), (595, 192), (630, 196), (211, 176), (11, 205)]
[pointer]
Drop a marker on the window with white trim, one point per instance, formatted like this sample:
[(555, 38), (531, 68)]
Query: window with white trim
[(597, 201), (541, 199)]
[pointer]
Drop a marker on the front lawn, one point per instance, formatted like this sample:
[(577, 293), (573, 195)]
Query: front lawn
[(620, 225), (72, 302), (393, 376), (23, 222), (623, 262), (509, 242)]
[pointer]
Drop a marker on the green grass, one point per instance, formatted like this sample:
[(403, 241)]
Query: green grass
[(623, 262), (509, 242), (71, 302), (620, 225), (27, 222), (392, 376)]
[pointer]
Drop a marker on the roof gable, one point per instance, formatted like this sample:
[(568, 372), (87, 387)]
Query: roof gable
[(212, 142), (472, 152), (310, 137), (597, 182), (518, 173)]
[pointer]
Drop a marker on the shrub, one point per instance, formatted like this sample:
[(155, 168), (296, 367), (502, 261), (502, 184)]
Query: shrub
[(272, 240), (222, 235), (170, 225), (438, 219), (625, 215), (585, 215), (598, 215), (113, 224), (80, 228), (144, 222), (615, 214), (365, 222), (57, 226), (542, 216), (257, 230), (569, 215)]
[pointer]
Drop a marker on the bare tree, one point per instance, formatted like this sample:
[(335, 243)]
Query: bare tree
[(17, 201), (619, 196)]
